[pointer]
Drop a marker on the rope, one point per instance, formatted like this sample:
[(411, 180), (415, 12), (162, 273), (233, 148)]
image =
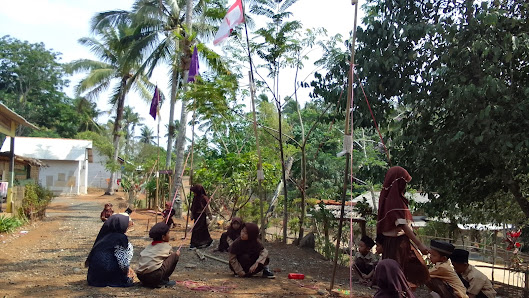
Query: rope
[(176, 190), (374, 120)]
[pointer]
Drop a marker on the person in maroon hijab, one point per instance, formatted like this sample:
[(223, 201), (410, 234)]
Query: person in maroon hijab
[(394, 222), (107, 211), (233, 232), (391, 281), (200, 237)]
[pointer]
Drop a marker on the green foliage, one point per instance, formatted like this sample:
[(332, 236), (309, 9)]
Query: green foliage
[(8, 224), (99, 141), (36, 200)]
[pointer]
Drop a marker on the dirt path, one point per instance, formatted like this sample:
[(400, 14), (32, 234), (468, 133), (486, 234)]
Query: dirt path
[(48, 261)]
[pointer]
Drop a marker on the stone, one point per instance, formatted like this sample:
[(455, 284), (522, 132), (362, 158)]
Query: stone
[(190, 266), (77, 270), (308, 241)]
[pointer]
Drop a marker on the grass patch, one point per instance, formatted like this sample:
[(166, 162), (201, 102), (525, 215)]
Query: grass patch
[(8, 224)]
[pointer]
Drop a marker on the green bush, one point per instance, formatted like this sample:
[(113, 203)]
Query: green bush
[(36, 200), (8, 224)]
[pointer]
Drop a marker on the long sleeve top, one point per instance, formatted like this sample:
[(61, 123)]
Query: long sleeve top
[(237, 268)]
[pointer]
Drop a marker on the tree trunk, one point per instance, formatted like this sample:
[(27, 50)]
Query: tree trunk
[(514, 188), (181, 138), (283, 170), (117, 129), (303, 191), (168, 157)]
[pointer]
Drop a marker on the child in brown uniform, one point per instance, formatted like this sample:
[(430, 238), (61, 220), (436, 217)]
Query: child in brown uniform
[(477, 283), (157, 261), (443, 279), (365, 260)]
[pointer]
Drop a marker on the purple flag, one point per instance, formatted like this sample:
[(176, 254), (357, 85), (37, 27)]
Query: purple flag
[(193, 66), (154, 103)]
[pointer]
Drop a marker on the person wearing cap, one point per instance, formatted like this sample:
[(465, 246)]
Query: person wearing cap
[(365, 260), (477, 283), (157, 261), (444, 281)]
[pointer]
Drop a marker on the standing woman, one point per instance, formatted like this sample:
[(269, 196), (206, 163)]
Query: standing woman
[(200, 237), (394, 222), (109, 260)]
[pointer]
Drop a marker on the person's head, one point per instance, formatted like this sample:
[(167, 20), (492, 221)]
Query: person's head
[(236, 223), (108, 206), (168, 205), (117, 223), (440, 251), (459, 260), (159, 232), (379, 240), (198, 190), (397, 175), (249, 232), (365, 244)]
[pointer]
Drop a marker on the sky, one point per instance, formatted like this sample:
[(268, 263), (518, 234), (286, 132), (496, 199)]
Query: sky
[(60, 23)]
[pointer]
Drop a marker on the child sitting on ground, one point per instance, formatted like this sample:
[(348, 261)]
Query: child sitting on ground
[(444, 281), (247, 254), (157, 261), (365, 260), (478, 284), (227, 238), (168, 212), (107, 212), (379, 240)]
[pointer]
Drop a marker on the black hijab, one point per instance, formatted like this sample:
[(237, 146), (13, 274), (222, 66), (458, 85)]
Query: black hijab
[(252, 246), (112, 233), (199, 199)]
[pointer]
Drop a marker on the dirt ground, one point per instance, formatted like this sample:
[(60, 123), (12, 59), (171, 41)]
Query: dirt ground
[(46, 258)]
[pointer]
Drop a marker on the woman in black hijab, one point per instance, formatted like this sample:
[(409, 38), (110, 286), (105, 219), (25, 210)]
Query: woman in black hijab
[(247, 254), (109, 260), (233, 232), (200, 237)]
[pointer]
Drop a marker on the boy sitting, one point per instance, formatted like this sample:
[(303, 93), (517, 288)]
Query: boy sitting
[(477, 283), (157, 262), (365, 260), (444, 281)]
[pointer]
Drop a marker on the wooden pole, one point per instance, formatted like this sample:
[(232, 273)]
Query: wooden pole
[(156, 203), (348, 132)]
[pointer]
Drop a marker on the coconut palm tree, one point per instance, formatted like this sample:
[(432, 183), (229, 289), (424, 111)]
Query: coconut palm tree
[(117, 67), (146, 136), (130, 120)]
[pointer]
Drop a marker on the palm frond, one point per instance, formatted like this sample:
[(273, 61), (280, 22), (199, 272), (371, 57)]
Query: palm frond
[(110, 18)]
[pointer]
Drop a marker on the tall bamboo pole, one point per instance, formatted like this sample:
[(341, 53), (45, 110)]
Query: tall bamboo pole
[(260, 173), (156, 203), (348, 133)]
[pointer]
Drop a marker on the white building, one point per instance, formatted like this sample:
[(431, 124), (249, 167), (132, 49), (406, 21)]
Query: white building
[(67, 159)]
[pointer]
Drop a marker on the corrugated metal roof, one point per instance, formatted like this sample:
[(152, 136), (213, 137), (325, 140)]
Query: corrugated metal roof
[(49, 149), (15, 117)]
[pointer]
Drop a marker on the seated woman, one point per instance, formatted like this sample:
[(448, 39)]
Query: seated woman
[(109, 260), (391, 281), (168, 212), (247, 254), (234, 231), (107, 212)]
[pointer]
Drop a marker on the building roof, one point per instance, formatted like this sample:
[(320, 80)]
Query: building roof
[(12, 116), (49, 149), (417, 197), (29, 160)]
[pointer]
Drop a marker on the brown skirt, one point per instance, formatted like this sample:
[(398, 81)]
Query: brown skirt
[(410, 261)]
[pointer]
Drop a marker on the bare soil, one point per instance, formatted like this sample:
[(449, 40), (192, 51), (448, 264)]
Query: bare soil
[(46, 258)]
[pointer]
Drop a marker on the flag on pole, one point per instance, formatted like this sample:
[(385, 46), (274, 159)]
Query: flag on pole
[(193, 66), (233, 17), (154, 103)]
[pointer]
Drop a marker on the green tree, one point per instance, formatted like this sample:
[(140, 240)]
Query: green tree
[(146, 136), (118, 64)]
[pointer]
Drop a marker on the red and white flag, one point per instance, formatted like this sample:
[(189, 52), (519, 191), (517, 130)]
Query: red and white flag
[(233, 17)]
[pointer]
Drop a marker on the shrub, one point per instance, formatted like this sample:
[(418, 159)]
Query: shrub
[(36, 200), (8, 224)]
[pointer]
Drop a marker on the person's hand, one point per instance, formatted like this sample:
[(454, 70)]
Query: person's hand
[(254, 267), (130, 273), (178, 253), (424, 250)]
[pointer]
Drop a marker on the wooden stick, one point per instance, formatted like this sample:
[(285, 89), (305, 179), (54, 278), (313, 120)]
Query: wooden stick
[(216, 259), (200, 254)]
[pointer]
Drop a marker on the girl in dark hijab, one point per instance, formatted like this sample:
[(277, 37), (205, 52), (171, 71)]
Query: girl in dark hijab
[(234, 231), (109, 260), (391, 281), (247, 254), (168, 212), (200, 237)]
